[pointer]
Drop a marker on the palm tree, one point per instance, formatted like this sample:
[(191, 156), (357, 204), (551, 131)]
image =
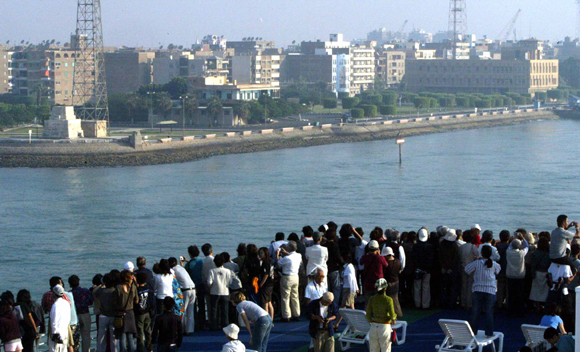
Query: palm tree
[(215, 109)]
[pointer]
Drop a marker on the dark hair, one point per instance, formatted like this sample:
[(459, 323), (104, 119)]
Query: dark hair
[(487, 236), (504, 235), (411, 237), (74, 281), (293, 237), (206, 249), (575, 249), (115, 276), (360, 231), (7, 296), (252, 250), (97, 279), (545, 234), (141, 278), (459, 233), (164, 268), (55, 280), (172, 261), (550, 333), (347, 257), (266, 252), (193, 251), (486, 254), (322, 229), (553, 309), (345, 231), (332, 225), (168, 304), (242, 250), (331, 235), (24, 296), (404, 236), (522, 231), (218, 260), (468, 236), (108, 281), (226, 257), (5, 308), (544, 245), (141, 262), (155, 269), (307, 231), (561, 219), (126, 277), (280, 236)]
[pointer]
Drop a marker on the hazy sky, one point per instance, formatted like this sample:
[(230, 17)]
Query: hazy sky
[(181, 22)]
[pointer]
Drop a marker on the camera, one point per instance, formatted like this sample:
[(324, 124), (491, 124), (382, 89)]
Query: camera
[(57, 339)]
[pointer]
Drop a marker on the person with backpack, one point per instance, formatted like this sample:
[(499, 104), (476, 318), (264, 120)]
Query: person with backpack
[(144, 309)]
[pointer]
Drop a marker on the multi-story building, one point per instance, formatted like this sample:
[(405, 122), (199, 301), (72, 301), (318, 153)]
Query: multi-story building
[(390, 67), (336, 44), (481, 76), (128, 69), (6, 69), (362, 71), (44, 73), (210, 87), (257, 69), (250, 47), (334, 70)]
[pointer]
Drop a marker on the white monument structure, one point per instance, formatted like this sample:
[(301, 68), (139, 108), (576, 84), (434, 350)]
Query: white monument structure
[(63, 124)]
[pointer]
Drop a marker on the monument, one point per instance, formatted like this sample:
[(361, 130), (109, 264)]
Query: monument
[(63, 124)]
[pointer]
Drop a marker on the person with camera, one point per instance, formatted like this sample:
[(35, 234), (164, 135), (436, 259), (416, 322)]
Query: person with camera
[(289, 265), (60, 317), (321, 312), (559, 239)]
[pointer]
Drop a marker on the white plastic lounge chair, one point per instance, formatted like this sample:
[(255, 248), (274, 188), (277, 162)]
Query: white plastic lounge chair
[(534, 335), (460, 337), (357, 329)]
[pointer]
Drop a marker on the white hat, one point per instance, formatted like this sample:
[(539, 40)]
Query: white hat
[(476, 226), (387, 251), (232, 331), (423, 235), (450, 236), (129, 266), (58, 290), (373, 245), (381, 284)]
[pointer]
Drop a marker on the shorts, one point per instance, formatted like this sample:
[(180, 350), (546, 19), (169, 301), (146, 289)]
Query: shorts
[(347, 297), (266, 294), (14, 345)]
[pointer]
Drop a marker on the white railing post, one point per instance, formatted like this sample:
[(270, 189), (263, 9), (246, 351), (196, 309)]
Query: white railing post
[(577, 333)]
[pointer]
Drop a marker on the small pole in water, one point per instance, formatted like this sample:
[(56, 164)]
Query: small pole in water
[(400, 142)]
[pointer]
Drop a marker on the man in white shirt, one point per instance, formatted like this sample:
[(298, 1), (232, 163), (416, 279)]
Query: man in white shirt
[(60, 317), (276, 245), (290, 265), (219, 281), (316, 256), (486, 238), (208, 265), (188, 290), (315, 289)]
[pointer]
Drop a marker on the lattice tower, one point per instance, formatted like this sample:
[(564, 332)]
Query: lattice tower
[(457, 23), (89, 84)]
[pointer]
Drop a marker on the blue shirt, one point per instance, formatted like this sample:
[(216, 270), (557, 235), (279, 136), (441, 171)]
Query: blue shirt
[(194, 269), (551, 321)]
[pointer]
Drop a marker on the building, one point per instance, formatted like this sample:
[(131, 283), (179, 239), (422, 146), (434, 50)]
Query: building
[(336, 45), (6, 69), (390, 67), (362, 69), (207, 88), (259, 69), (250, 47), (128, 69), (333, 70), (481, 76)]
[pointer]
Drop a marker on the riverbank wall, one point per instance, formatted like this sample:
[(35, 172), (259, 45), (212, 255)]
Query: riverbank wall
[(167, 150)]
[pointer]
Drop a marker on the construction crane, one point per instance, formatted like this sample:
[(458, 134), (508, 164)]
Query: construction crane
[(510, 27), (405, 24)]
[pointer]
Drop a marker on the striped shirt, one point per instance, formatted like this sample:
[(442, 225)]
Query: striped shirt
[(483, 277)]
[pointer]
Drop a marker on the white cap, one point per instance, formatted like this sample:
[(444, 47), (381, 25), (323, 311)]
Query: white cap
[(129, 266), (423, 235), (387, 251), (450, 236), (232, 331), (373, 245), (476, 226)]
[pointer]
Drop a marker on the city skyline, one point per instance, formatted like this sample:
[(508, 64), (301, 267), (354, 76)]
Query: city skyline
[(181, 22)]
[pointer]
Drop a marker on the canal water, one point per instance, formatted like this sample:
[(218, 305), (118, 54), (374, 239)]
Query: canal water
[(87, 221)]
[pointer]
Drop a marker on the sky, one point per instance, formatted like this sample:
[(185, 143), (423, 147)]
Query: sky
[(151, 23)]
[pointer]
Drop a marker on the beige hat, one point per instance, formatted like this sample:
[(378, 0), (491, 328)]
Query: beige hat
[(423, 235), (328, 297), (232, 331), (387, 251), (373, 245), (450, 236)]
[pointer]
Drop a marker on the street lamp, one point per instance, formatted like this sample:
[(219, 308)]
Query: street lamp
[(183, 112)]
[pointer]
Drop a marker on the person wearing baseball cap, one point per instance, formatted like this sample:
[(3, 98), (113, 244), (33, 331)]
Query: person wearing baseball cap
[(380, 314), (234, 345), (60, 317), (392, 277), (374, 265), (423, 254)]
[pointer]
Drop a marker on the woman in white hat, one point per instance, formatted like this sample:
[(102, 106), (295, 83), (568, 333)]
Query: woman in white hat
[(234, 345), (380, 314)]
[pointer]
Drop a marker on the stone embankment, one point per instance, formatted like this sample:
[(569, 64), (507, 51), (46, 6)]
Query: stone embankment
[(187, 149)]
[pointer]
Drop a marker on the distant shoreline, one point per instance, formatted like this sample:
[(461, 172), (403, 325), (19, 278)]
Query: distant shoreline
[(118, 155)]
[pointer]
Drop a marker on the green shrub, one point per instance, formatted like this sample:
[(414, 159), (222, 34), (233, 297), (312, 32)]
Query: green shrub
[(329, 103), (483, 103), (388, 110), (462, 101), (357, 113), (349, 103), (342, 95), (373, 99), (541, 96), (390, 98), (370, 110)]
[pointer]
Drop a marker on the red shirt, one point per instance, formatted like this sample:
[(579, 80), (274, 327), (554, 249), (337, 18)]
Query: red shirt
[(374, 265)]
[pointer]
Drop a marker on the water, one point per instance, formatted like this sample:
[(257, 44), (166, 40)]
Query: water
[(85, 221)]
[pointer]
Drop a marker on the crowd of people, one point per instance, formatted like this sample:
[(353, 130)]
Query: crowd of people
[(308, 277)]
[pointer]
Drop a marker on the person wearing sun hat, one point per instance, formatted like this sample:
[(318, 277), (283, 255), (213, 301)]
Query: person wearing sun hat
[(423, 259), (374, 264), (234, 345), (380, 313)]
